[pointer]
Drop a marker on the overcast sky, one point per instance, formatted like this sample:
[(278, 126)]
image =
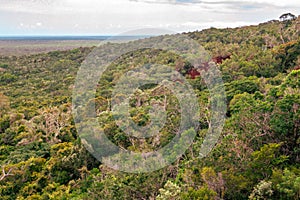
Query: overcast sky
[(100, 17)]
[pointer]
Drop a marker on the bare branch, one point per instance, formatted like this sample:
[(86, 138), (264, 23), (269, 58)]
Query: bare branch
[(5, 174)]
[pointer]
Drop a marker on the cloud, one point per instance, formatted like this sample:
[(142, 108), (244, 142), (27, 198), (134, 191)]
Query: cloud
[(237, 3), (113, 17)]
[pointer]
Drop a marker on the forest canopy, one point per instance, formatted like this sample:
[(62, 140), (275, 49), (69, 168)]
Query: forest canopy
[(257, 155)]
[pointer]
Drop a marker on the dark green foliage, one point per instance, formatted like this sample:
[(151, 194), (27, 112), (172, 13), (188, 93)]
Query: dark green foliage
[(7, 78), (249, 85), (288, 55)]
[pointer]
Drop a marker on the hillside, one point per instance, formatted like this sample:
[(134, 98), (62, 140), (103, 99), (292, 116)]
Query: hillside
[(256, 157)]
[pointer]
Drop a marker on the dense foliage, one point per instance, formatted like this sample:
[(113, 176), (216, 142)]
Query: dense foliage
[(257, 156)]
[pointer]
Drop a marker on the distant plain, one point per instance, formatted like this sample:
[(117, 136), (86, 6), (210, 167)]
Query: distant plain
[(20, 46), (27, 47)]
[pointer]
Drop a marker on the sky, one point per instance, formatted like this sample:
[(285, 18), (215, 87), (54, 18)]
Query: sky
[(116, 17)]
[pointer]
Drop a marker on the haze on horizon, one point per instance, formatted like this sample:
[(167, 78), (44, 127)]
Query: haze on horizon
[(99, 17)]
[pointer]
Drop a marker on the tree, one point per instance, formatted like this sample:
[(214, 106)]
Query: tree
[(204, 193), (286, 183), (262, 191), (265, 159), (170, 191), (287, 16), (4, 104), (214, 181)]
